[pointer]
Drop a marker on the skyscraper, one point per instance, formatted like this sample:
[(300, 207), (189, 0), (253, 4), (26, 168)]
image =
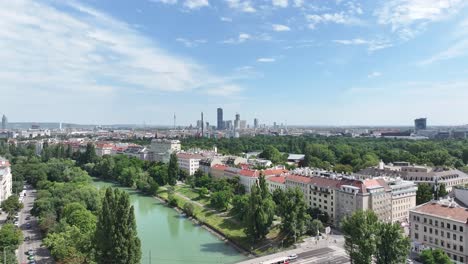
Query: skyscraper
[(202, 125), (220, 119), (4, 122), (237, 122), (255, 122), (420, 124)]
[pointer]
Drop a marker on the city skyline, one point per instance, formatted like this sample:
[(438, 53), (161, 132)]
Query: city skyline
[(297, 62)]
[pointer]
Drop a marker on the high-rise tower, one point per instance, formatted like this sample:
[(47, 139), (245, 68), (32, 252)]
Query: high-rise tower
[(202, 125), (220, 119), (4, 122)]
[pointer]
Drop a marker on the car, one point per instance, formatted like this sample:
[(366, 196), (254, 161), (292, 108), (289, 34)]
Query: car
[(27, 238), (409, 261), (31, 257), (16, 224), (292, 257), (30, 252), (32, 262), (28, 218), (28, 225)]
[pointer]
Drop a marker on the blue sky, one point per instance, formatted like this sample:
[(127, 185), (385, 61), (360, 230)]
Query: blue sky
[(310, 62)]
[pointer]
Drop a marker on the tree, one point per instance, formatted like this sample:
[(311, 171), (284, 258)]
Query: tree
[(189, 209), (239, 206), (260, 212), (293, 213), (173, 170), (423, 194), (11, 205), (10, 236), (434, 256), (203, 192), (116, 220), (359, 231), (271, 153), (220, 200), (442, 191), (314, 227), (392, 246), (89, 156), (316, 213)]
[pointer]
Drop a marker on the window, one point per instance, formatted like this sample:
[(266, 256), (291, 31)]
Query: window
[(448, 225), (430, 221), (461, 228), (441, 224), (454, 237), (442, 243), (436, 223), (448, 234), (454, 247), (441, 233), (416, 236), (455, 227), (448, 245), (461, 238), (436, 231), (416, 227), (436, 241), (425, 238), (425, 220), (462, 260), (425, 229), (430, 230), (461, 248)]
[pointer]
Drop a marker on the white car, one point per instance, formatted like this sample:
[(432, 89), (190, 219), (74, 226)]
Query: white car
[(292, 257), (16, 224)]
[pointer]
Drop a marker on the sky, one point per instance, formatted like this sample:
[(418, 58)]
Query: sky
[(299, 62)]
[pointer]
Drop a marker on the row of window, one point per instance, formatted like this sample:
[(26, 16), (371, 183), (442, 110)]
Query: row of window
[(436, 223), (442, 242)]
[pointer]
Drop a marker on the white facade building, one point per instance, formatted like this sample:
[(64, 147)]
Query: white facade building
[(6, 181), (163, 148), (189, 162)]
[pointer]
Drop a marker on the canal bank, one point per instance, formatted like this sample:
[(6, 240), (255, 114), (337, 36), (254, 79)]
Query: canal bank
[(169, 237)]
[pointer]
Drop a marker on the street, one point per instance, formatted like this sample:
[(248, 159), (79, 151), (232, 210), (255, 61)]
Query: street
[(309, 252), (42, 255)]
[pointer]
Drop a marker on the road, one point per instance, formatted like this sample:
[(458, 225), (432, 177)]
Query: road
[(328, 254), (41, 253)]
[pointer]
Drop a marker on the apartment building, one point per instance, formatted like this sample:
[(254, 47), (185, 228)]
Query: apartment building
[(6, 181), (163, 148), (276, 182), (450, 177), (189, 162), (440, 224), (403, 199)]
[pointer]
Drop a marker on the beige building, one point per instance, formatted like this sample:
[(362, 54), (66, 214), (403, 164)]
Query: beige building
[(418, 174), (440, 224), (341, 197), (276, 182), (6, 181)]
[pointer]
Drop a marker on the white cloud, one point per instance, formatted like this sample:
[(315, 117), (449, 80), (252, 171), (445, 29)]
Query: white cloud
[(278, 27), (374, 74), (226, 19), (408, 17), (298, 3), (336, 18), (191, 43), (240, 39), (169, 2), (372, 45), (266, 60), (457, 50), (280, 3), (241, 5), (86, 52), (196, 4)]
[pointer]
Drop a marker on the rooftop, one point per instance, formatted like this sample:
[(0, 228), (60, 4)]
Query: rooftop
[(277, 179), (439, 209)]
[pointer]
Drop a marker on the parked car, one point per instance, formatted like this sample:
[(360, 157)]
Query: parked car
[(292, 257), (30, 252), (28, 217), (28, 225)]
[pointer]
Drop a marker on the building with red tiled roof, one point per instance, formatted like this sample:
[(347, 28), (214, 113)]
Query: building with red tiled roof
[(189, 162), (276, 182), (440, 225)]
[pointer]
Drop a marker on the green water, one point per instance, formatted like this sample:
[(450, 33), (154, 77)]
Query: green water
[(170, 238)]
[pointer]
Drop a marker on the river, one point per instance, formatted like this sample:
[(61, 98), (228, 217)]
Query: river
[(167, 237)]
